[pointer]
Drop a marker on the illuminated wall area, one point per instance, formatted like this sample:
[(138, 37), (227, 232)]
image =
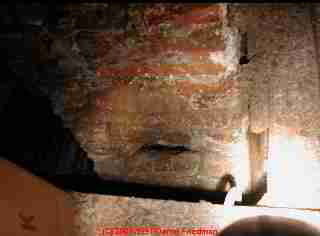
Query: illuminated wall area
[(293, 171), (284, 99)]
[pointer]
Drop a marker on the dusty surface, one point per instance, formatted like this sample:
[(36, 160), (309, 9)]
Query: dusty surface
[(125, 77), (126, 116), (163, 77), (97, 212)]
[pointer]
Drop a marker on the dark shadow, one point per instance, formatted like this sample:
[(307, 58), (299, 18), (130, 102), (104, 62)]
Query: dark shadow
[(32, 136), (95, 184), (155, 150), (254, 196)]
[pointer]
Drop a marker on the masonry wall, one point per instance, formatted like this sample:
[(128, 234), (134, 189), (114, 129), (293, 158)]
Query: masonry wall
[(158, 75), (284, 94)]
